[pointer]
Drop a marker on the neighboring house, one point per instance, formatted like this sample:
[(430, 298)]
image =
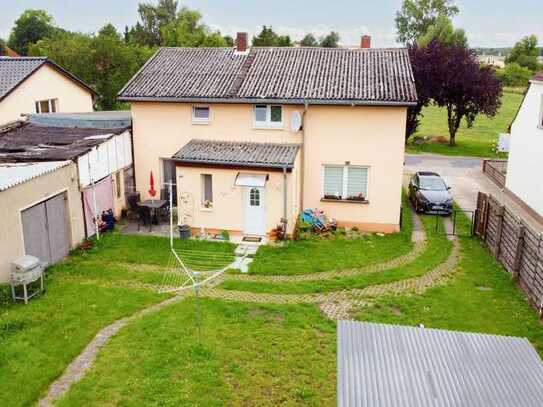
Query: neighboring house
[(404, 366), (57, 171), (495, 60), (523, 181), (253, 135), (38, 85)]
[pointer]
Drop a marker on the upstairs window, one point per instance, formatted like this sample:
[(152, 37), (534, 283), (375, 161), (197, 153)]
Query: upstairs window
[(266, 116), (200, 114), (46, 106), (345, 182)]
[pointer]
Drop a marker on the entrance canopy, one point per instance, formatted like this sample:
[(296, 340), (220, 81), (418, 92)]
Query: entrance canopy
[(251, 180)]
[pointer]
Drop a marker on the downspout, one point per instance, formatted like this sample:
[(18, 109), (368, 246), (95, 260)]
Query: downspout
[(302, 157), (285, 186)]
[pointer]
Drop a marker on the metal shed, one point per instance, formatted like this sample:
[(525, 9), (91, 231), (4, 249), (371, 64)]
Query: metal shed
[(390, 365)]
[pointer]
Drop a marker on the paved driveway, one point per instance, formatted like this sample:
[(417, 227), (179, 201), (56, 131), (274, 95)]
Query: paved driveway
[(463, 175)]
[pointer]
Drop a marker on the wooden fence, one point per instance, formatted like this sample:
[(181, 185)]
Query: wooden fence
[(496, 170), (515, 244)]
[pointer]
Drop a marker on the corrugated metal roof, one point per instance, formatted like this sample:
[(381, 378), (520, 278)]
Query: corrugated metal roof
[(95, 120), (289, 75), (399, 366), (17, 173), (245, 154)]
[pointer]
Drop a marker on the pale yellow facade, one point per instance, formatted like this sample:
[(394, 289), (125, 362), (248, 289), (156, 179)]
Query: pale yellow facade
[(23, 196), (44, 84), (368, 136)]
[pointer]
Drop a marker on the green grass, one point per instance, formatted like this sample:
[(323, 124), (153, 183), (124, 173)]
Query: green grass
[(249, 355), (477, 141), (315, 255), (437, 250)]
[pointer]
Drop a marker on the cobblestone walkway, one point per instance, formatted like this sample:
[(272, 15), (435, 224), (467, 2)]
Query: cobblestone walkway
[(77, 369)]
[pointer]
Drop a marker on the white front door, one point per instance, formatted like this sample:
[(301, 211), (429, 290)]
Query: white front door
[(255, 211)]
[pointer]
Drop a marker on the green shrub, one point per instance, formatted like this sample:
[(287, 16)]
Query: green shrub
[(514, 75)]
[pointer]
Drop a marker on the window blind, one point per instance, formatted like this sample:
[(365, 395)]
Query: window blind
[(333, 181)]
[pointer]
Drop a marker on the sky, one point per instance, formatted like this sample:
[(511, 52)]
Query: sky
[(488, 23)]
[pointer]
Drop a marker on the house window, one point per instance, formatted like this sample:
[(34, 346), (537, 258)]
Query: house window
[(345, 182), (541, 114), (118, 184), (254, 197), (268, 116), (200, 114), (207, 191), (46, 106)]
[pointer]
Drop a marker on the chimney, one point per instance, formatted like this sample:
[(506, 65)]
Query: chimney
[(365, 41), (241, 42)]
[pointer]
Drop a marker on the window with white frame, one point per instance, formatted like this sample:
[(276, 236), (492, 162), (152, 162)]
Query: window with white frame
[(346, 182), (46, 106), (268, 116), (207, 191), (541, 114), (200, 114)]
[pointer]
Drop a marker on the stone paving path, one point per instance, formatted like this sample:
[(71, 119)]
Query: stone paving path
[(77, 369)]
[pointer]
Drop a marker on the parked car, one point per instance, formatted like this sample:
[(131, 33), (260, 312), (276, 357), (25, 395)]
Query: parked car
[(428, 193)]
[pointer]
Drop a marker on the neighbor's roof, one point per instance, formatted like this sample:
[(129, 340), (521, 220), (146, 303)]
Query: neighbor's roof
[(400, 366), (94, 120), (245, 154), (286, 75), (538, 76), (31, 142), (14, 71), (15, 174)]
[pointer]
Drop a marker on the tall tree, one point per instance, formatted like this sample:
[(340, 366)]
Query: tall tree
[(525, 53), (309, 41), (153, 19), (187, 30), (330, 41), (29, 28), (468, 90), (266, 38), (3, 50), (444, 31), (416, 16)]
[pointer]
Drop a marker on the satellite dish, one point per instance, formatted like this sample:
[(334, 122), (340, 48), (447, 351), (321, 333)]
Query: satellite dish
[(295, 121)]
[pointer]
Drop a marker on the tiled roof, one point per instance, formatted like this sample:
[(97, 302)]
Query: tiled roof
[(14, 174), (13, 71), (402, 366), (289, 75), (246, 154)]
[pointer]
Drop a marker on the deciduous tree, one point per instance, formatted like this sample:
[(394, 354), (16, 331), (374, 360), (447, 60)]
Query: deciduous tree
[(153, 19), (444, 31), (30, 27), (416, 16), (330, 41), (309, 41), (525, 53)]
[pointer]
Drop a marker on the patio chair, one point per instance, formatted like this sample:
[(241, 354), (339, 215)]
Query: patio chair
[(144, 217)]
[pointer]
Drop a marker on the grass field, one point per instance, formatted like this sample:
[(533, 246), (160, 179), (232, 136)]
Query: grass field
[(477, 141)]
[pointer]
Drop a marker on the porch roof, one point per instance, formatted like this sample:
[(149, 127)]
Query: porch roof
[(239, 154)]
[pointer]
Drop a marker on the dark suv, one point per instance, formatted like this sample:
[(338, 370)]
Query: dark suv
[(429, 194)]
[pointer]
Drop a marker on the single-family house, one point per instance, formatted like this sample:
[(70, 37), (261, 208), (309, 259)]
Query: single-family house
[(523, 180), (58, 173), (38, 85), (251, 136)]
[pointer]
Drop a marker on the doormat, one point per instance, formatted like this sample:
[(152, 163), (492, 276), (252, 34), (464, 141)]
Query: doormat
[(251, 239)]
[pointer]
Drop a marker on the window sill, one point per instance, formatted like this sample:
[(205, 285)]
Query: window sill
[(206, 209), (267, 127), (201, 121), (345, 201)]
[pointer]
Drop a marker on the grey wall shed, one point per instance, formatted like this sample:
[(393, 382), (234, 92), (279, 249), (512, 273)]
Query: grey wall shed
[(388, 365)]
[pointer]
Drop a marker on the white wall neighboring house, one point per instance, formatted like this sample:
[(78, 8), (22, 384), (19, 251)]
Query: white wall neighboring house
[(524, 169), (37, 85)]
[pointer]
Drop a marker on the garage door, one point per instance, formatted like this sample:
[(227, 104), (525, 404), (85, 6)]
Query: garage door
[(45, 230)]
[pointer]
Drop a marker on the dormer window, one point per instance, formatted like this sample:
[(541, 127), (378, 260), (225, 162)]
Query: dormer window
[(268, 116), (200, 114)]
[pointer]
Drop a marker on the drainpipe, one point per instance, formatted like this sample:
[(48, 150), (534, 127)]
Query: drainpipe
[(285, 194), (302, 158)]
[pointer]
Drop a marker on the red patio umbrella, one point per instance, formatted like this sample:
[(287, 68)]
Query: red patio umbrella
[(152, 190)]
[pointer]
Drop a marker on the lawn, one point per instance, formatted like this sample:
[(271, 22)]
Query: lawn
[(437, 250), (476, 141), (260, 354), (315, 255)]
